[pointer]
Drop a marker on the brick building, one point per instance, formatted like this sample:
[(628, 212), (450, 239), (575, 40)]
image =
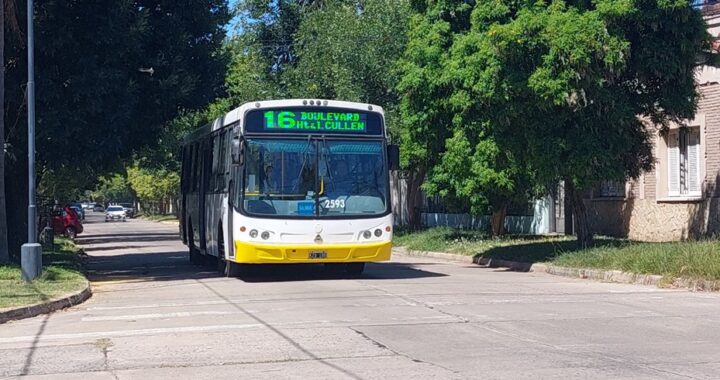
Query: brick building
[(680, 198)]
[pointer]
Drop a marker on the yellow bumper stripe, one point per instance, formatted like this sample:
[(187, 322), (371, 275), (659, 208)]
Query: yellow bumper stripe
[(271, 253)]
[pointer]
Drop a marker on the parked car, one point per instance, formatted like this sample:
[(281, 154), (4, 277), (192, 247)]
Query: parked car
[(67, 222), (97, 207), (129, 209), (79, 210), (115, 213)]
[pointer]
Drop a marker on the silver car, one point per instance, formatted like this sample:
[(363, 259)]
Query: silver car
[(113, 213)]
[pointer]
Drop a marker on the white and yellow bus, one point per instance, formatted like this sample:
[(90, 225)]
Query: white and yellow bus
[(289, 181)]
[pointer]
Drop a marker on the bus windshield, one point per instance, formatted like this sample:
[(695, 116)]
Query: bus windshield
[(314, 177)]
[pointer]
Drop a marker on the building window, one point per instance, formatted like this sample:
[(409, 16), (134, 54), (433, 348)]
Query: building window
[(684, 177), (612, 189)]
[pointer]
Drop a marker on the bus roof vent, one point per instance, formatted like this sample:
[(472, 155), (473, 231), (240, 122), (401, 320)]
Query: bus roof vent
[(257, 105)]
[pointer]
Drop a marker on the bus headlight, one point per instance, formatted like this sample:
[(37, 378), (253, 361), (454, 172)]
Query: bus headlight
[(265, 235), (378, 232), (367, 234), (253, 233)]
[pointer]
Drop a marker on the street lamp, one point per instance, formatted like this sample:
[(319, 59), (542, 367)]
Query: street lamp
[(31, 252)]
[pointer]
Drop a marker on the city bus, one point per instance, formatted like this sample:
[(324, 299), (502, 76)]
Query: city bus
[(289, 181)]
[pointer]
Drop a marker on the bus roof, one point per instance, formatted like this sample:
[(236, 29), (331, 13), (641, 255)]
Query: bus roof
[(235, 115)]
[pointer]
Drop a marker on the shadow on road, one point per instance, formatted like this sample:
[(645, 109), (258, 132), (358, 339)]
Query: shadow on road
[(146, 256), (172, 266), (314, 272), (149, 237)]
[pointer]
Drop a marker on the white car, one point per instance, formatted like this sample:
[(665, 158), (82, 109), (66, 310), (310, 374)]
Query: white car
[(115, 213)]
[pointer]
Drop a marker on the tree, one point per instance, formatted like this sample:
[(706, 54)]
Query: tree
[(155, 187), (114, 188), (7, 11), (424, 108), (567, 84), (327, 68), (4, 252), (475, 170), (109, 76)]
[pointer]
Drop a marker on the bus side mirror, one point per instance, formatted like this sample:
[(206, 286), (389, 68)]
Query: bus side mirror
[(393, 152), (237, 151)]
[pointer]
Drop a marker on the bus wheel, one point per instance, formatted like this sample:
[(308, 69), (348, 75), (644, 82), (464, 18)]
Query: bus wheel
[(226, 268), (355, 268), (195, 256)]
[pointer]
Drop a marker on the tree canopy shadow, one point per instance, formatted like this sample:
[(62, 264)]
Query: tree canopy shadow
[(541, 251)]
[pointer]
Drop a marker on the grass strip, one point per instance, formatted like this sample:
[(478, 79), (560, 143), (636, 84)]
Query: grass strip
[(62, 274), (160, 217), (697, 260)]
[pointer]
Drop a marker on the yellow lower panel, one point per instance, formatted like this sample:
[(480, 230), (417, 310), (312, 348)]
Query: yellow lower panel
[(278, 254)]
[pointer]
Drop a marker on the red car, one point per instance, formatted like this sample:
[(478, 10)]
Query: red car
[(67, 222)]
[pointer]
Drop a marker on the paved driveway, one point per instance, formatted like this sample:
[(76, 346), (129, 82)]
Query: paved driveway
[(153, 315)]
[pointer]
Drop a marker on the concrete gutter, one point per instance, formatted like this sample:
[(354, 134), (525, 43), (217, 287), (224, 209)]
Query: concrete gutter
[(68, 300), (615, 276)]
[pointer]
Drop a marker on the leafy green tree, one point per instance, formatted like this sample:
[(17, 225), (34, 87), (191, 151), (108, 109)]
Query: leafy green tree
[(108, 77), (114, 188), (349, 50), (425, 109), (155, 188), (566, 84), (475, 170)]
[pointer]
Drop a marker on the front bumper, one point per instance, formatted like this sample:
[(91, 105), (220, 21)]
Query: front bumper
[(287, 254)]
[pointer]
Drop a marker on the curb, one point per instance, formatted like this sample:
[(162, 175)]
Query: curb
[(66, 301), (435, 255), (614, 276), (483, 261), (607, 276)]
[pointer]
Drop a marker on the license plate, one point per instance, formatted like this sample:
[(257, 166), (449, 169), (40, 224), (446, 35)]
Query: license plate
[(318, 255)]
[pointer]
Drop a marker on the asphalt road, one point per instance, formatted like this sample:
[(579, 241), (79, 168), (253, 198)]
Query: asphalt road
[(153, 315)]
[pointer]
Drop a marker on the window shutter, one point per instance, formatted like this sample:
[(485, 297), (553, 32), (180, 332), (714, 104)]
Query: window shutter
[(673, 163), (693, 162)]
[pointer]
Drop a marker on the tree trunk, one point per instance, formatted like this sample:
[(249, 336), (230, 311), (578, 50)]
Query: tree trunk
[(414, 197), (582, 223), (497, 224), (4, 251)]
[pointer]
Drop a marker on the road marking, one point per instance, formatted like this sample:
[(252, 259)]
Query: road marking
[(128, 333), (180, 314), (157, 305), (193, 329)]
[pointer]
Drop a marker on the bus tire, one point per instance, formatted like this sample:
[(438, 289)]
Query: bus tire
[(233, 269), (224, 267), (355, 268), (195, 257)]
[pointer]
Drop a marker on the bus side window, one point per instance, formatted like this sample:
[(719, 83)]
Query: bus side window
[(222, 164), (193, 168)]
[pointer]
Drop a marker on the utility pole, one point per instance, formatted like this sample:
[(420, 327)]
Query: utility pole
[(31, 252)]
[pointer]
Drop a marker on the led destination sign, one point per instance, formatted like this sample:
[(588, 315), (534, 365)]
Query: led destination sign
[(314, 120)]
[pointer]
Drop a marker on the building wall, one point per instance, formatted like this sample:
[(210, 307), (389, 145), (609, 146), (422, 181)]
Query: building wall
[(649, 220), (647, 213)]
